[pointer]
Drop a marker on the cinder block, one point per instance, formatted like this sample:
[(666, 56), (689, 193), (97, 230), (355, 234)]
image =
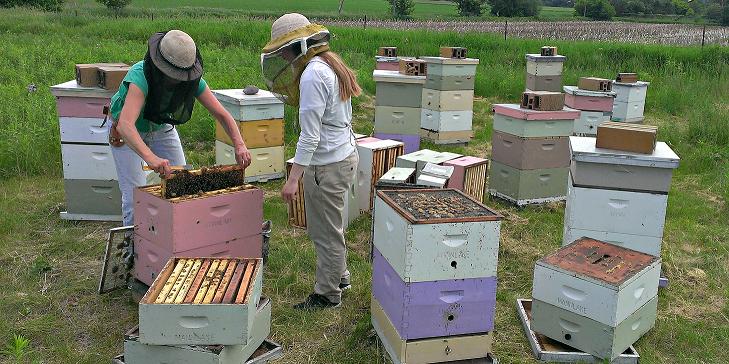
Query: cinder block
[(110, 78), (413, 67), (387, 51), (548, 51), (542, 100), (453, 52), (627, 78), (87, 76), (627, 137)]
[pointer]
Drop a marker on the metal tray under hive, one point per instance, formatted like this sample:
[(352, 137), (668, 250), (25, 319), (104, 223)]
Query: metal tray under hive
[(433, 206), (548, 350)]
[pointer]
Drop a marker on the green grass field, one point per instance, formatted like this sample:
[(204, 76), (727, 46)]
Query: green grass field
[(50, 267)]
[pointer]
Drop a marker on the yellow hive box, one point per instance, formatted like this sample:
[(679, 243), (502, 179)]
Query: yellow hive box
[(256, 134)]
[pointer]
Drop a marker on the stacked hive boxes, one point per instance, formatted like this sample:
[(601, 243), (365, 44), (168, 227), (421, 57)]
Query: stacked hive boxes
[(530, 154), (397, 107), (595, 297), (617, 196), (595, 106), (447, 100), (434, 275), (260, 118), (376, 157), (201, 310), (225, 223), (544, 71), (629, 103), (89, 173)]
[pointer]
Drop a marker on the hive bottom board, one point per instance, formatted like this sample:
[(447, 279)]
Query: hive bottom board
[(590, 336), (447, 137), (548, 350), (525, 187), (436, 350), (268, 351)]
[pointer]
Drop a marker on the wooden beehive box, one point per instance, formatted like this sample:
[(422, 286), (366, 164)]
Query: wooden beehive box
[(413, 67), (469, 176), (375, 159), (453, 52), (595, 84), (397, 90), (87, 74), (110, 78), (202, 301), (542, 100), (539, 65), (529, 186), (627, 137), (630, 92), (263, 105), (436, 234), (256, 134), (387, 51)]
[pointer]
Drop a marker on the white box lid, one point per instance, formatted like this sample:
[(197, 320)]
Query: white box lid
[(583, 150), (380, 144), (387, 59), (396, 77), (237, 97), (536, 57), (72, 89), (433, 181), (574, 90), (397, 174), (442, 60), (436, 170), (637, 84)]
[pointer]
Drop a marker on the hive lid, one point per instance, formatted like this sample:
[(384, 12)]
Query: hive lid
[(72, 89), (600, 262), (574, 90), (536, 57), (380, 144), (637, 84), (583, 150), (437, 206), (397, 175), (237, 97), (515, 111), (419, 155), (366, 140), (396, 77), (466, 161), (442, 60)]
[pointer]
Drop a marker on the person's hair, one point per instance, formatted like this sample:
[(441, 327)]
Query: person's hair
[(348, 86)]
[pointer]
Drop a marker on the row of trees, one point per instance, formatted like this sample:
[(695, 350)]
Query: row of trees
[(57, 5), (403, 8), (715, 10)]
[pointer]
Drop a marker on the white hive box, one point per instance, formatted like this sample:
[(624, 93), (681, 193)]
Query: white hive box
[(266, 163), (84, 130), (597, 280), (419, 159), (398, 175), (540, 65), (461, 120), (93, 162), (439, 66), (397, 120), (588, 122), (630, 92), (261, 106), (396, 89), (454, 237), (375, 159), (438, 100), (614, 169), (628, 112)]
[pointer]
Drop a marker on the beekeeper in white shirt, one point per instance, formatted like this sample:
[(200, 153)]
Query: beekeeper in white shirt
[(298, 65)]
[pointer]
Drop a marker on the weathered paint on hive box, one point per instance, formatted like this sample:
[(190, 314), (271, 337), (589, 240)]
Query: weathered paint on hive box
[(262, 106), (444, 121), (630, 92), (590, 336), (551, 351), (150, 258), (375, 159), (256, 134), (644, 244), (530, 153), (265, 162), (588, 122), (597, 280), (196, 222), (438, 69), (588, 100), (83, 130), (447, 137), (515, 111), (544, 68), (398, 94), (419, 252), (435, 308), (92, 197), (450, 83), (397, 120), (635, 213), (138, 353), (81, 107), (533, 128), (424, 351), (198, 324), (628, 111), (412, 142), (438, 100), (81, 161), (543, 83), (527, 186)]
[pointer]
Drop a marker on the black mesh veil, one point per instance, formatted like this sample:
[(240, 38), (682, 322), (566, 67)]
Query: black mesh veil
[(168, 101)]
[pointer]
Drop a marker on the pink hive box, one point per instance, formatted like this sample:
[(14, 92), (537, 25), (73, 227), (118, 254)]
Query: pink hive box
[(366, 140), (460, 165), (82, 107), (515, 111), (192, 223), (588, 100), (150, 258)]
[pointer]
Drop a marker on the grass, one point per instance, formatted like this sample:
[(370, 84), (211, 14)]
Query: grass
[(50, 266)]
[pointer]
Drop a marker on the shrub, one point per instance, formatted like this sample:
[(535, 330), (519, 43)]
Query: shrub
[(595, 9), (469, 7), (515, 7), (47, 5), (114, 5), (401, 9)]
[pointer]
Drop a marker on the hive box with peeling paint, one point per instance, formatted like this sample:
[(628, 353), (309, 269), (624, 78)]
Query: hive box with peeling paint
[(438, 100), (619, 170), (444, 121), (449, 83), (588, 100), (266, 163), (397, 120), (543, 83), (525, 123), (630, 92), (440, 66), (588, 122), (436, 308), (527, 186), (261, 106), (198, 324), (421, 252), (597, 280), (92, 197), (590, 336), (396, 89), (76, 101), (138, 353), (530, 153), (150, 258), (197, 222), (424, 351)]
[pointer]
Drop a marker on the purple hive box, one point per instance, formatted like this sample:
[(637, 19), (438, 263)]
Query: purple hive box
[(434, 309), (412, 142)]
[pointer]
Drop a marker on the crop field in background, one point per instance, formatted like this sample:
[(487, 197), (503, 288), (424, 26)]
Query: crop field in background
[(50, 267)]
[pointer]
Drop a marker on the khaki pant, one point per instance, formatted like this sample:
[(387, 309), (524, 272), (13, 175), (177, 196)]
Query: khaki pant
[(324, 193)]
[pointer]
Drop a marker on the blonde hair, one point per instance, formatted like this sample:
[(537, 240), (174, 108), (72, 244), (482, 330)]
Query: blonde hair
[(348, 86)]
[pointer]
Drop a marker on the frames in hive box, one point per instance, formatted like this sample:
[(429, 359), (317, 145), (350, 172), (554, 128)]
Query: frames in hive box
[(183, 183)]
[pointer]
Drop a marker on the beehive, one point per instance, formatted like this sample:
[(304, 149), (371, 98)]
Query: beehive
[(543, 83), (387, 63), (266, 163), (629, 112), (525, 123), (539, 65), (450, 83), (434, 350), (138, 353), (580, 99), (588, 122), (256, 134), (419, 158), (375, 159), (457, 236), (524, 187), (469, 176), (396, 89), (530, 153), (438, 100), (434, 308), (201, 301), (397, 120), (397, 175), (441, 66)]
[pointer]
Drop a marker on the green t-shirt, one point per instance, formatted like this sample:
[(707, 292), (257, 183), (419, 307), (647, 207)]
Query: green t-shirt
[(136, 76)]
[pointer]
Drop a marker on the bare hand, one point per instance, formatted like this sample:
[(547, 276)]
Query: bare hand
[(243, 156), (161, 166), (290, 190)]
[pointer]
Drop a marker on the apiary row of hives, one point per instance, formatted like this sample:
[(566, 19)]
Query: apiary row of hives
[(260, 118), (434, 275)]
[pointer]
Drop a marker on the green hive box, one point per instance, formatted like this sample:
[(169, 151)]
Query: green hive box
[(527, 186), (533, 128), (450, 83)]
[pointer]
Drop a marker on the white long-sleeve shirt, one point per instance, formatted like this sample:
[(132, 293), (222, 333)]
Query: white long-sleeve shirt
[(325, 120)]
